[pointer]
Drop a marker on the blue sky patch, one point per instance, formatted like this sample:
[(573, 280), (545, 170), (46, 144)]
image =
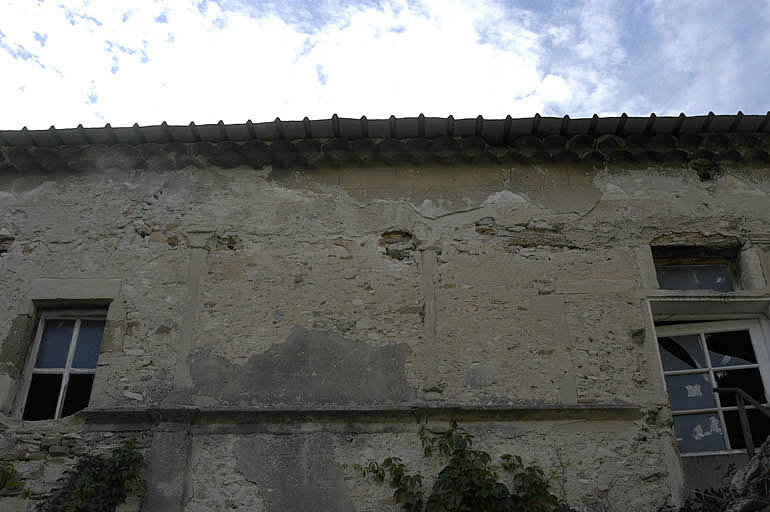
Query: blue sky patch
[(40, 38), (17, 51), (143, 52), (305, 15), (307, 46), (322, 77), (113, 45), (73, 17)]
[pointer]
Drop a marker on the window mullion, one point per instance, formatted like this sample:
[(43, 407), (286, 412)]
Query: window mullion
[(685, 412), (67, 366), (718, 401), (694, 371)]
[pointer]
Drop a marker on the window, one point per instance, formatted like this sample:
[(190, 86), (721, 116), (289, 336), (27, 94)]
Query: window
[(696, 268), (62, 364), (698, 357)]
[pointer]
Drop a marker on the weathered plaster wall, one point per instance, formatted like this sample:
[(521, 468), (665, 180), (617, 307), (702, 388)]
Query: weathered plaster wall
[(482, 286), (593, 464)]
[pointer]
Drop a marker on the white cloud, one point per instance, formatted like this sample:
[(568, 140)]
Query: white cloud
[(113, 62), (404, 61), (554, 89), (589, 59), (600, 33), (146, 61), (561, 35), (712, 56)]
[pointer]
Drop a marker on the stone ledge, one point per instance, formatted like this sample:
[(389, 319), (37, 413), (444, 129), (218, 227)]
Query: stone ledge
[(68, 289), (418, 412), (63, 292)]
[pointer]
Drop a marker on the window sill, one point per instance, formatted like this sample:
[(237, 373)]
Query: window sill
[(689, 294), (712, 454)]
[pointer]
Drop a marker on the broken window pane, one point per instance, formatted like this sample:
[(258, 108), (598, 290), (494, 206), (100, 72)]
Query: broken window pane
[(43, 396), (759, 425), (89, 343), (749, 380), (58, 352), (681, 353), (730, 348), (701, 422), (55, 343), (690, 391), (699, 433), (696, 277), (78, 393)]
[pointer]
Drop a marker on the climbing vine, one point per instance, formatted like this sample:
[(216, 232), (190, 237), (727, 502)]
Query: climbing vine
[(98, 483), (10, 484), (468, 482)]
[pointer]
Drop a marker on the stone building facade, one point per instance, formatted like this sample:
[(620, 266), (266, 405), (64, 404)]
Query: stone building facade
[(280, 301)]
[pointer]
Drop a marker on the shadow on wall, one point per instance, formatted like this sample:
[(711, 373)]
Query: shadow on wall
[(311, 366)]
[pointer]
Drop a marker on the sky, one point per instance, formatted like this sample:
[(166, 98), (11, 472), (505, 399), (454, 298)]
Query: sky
[(70, 62)]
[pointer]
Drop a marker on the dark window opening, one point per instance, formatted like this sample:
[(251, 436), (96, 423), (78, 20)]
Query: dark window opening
[(759, 426), (696, 268), (42, 397), (67, 350), (78, 394)]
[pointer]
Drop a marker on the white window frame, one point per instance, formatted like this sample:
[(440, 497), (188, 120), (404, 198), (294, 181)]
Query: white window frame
[(691, 306), (761, 352), (57, 314)]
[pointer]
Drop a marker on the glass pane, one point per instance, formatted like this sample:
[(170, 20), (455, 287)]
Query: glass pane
[(89, 343), (55, 344), (692, 391), (759, 424), (748, 380), (699, 433), (730, 348), (78, 394), (42, 397), (681, 352), (695, 277)]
